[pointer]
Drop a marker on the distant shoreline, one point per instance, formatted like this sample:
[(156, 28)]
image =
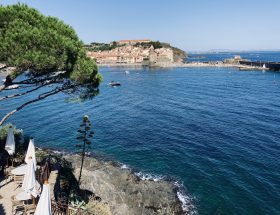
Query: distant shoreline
[(167, 65), (4, 71), (181, 65)]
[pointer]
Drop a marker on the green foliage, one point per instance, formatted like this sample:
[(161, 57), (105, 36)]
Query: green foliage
[(85, 72), (77, 202), (102, 46), (155, 44), (42, 45), (40, 155), (32, 41), (18, 133)]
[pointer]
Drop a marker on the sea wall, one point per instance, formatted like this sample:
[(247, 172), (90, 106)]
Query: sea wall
[(125, 192)]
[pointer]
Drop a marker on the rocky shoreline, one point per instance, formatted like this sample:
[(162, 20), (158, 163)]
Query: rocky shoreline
[(125, 193)]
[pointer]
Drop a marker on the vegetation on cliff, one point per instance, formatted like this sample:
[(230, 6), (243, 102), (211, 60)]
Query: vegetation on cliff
[(101, 46), (44, 45)]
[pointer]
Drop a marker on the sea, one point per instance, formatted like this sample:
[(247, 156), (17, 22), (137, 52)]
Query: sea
[(214, 132)]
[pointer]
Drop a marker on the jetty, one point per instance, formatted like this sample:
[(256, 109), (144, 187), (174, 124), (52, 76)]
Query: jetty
[(273, 66)]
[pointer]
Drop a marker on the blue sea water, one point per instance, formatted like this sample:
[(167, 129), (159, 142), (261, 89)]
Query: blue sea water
[(215, 130), (272, 56)]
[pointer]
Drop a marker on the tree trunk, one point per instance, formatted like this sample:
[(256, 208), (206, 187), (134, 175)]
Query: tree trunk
[(20, 94), (30, 102), (2, 87), (83, 156), (40, 97)]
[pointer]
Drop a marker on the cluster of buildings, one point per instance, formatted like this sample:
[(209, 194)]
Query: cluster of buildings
[(128, 53)]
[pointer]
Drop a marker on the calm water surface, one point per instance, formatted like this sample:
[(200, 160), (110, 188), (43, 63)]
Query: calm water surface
[(273, 56), (217, 131)]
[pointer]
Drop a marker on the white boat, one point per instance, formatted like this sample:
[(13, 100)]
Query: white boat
[(127, 72)]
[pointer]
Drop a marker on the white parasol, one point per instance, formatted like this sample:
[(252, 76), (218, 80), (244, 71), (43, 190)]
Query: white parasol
[(31, 153), (44, 204), (29, 184), (10, 142)]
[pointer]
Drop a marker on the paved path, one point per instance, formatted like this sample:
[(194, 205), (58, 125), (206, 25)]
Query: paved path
[(6, 192)]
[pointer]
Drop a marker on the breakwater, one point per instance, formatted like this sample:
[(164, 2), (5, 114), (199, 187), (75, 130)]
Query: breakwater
[(273, 66)]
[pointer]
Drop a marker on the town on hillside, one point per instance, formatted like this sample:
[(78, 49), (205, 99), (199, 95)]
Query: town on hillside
[(143, 52)]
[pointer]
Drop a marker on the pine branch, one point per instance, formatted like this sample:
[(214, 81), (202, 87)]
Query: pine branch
[(39, 98), (21, 94)]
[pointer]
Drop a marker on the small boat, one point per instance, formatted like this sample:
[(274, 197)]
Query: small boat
[(127, 72), (114, 84)]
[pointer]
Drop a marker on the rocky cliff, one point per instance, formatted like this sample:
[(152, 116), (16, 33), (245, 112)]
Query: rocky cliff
[(126, 193)]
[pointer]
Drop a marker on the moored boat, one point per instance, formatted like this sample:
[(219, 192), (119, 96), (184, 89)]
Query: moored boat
[(114, 84)]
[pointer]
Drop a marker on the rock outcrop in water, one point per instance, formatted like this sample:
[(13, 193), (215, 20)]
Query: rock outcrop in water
[(126, 193)]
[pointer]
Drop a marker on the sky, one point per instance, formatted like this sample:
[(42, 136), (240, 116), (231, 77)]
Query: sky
[(192, 25)]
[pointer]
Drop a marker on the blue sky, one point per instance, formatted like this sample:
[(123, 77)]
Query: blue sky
[(188, 24)]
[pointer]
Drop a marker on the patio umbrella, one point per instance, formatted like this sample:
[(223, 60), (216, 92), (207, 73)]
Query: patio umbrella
[(31, 153), (10, 142), (44, 204), (29, 184)]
